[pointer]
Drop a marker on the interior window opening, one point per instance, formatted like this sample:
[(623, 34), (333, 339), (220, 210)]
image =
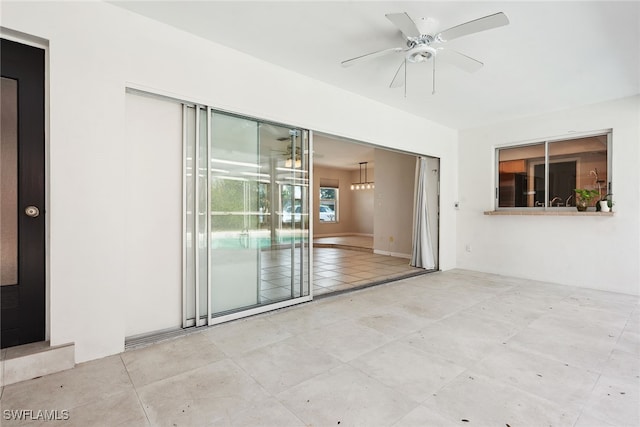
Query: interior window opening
[(555, 174)]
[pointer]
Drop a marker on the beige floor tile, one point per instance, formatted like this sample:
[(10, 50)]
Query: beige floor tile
[(629, 342), (546, 378), (422, 417), (326, 282), (345, 340), (585, 420), (535, 353), (622, 365), (463, 339), (321, 290), (429, 306), (347, 278), (602, 300), (487, 402), (86, 383), (265, 413), (393, 321), (207, 396), (496, 308), (302, 319), (633, 323), (370, 274), (573, 349), (166, 359), (345, 396), (232, 338), (615, 400), (395, 364), (327, 274), (284, 364), (122, 409)]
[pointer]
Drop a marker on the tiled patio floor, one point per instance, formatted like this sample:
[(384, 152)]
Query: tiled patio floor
[(442, 349)]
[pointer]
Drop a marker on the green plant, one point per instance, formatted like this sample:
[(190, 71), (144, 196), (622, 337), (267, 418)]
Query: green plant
[(585, 197)]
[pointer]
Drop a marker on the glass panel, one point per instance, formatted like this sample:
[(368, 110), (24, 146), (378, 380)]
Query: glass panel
[(9, 180), (190, 142), (235, 217), (259, 199), (521, 176), (577, 163), (202, 186)]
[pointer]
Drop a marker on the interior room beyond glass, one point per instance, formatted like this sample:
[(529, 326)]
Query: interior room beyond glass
[(246, 213)]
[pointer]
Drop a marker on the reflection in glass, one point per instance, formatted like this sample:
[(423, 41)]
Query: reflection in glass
[(521, 179), (235, 251), (9, 181), (577, 163), (246, 213)]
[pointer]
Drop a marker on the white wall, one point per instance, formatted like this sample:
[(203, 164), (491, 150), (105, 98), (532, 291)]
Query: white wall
[(393, 203), (96, 50), (591, 252), (362, 211)]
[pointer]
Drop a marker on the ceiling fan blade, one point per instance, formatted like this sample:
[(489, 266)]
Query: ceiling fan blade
[(368, 56), (398, 78), (404, 23), (460, 60), (481, 24)]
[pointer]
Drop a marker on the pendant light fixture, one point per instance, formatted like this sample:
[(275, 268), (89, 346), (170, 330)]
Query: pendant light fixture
[(363, 185)]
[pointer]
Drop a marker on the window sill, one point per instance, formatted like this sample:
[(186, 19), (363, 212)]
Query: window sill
[(549, 213)]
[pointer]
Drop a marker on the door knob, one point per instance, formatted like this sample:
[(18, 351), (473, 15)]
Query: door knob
[(32, 211)]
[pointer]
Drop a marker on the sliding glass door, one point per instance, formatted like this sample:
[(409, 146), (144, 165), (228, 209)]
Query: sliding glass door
[(251, 222), (236, 173)]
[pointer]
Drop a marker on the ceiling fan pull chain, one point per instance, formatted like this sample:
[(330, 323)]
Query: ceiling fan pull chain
[(405, 78), (433, 83)]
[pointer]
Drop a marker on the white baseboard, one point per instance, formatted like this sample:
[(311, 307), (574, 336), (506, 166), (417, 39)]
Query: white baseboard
[(393, 254), (343, 234)]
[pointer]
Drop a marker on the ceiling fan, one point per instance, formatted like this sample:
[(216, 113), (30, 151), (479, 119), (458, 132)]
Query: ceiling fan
[(422, 46)]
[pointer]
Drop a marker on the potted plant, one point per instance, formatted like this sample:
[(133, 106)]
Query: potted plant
[(605, 204), (584, 198)]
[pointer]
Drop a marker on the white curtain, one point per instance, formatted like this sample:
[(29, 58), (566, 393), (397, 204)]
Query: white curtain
[(422, 251)]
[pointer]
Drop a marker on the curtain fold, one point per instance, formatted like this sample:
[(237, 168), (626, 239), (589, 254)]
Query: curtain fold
[(422, 251)]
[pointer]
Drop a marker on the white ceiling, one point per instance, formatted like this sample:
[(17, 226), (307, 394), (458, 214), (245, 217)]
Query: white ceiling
[(552, 55), (334, 152)]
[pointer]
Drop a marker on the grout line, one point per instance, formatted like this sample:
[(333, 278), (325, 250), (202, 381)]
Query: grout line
[(135, 389)]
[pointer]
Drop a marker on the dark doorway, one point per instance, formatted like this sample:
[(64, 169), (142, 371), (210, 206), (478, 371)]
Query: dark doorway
[(22, 220)]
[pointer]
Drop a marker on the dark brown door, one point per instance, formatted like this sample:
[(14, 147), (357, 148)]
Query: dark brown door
[(22, 216)]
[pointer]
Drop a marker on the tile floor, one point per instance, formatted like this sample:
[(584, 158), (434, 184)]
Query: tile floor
[(334, 269), (451, 348)]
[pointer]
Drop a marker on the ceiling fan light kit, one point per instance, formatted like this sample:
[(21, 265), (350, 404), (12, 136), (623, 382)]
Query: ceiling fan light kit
[(420, 53), (424, 47)]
